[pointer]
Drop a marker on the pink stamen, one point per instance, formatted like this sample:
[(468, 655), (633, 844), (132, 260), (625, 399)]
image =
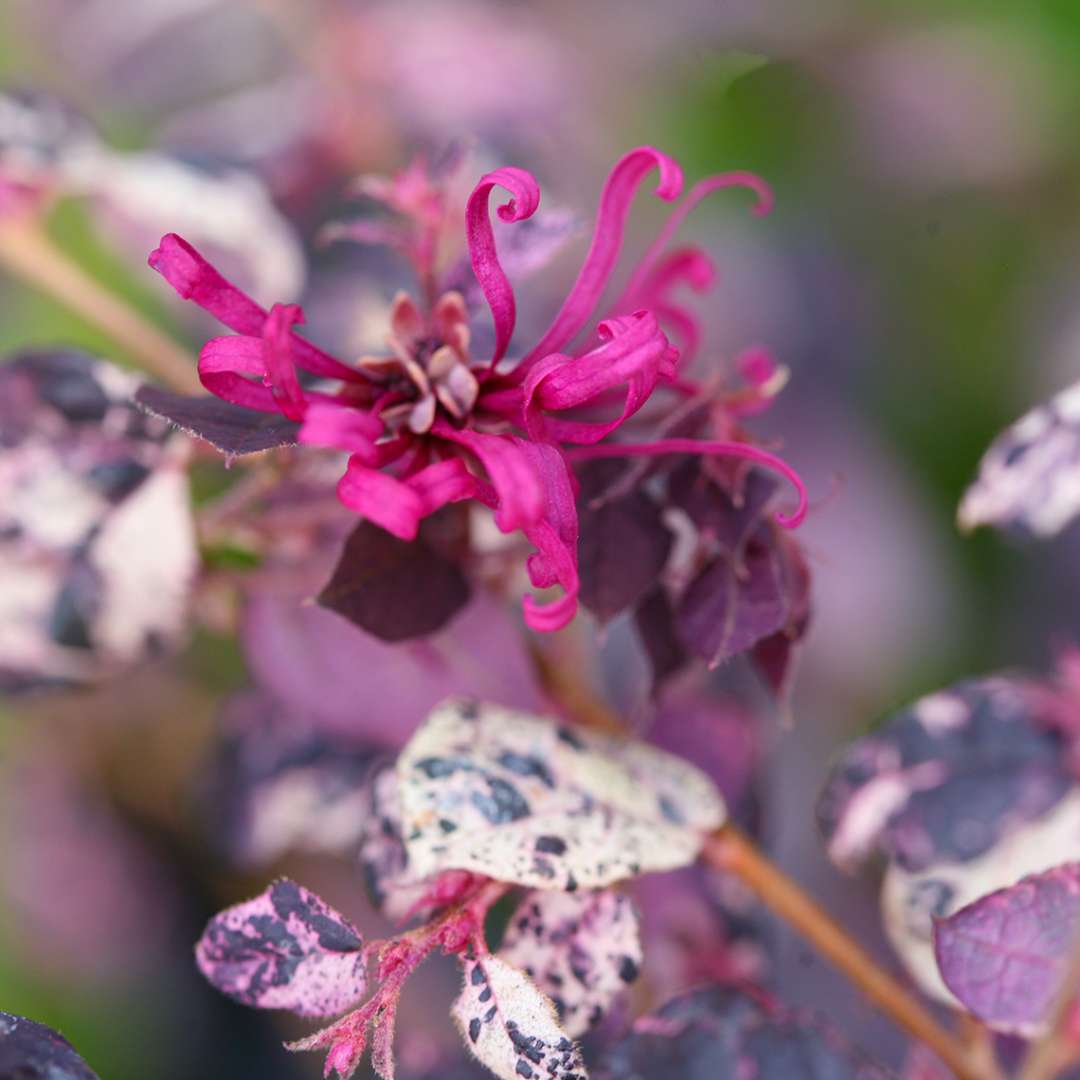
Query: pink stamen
[(705, 446)]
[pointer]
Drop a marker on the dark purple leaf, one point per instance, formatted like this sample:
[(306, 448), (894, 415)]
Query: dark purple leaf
[(624, 546), (728, 518), (286, 949), (726, 1035), (1004, 956), (395, 589), (948, 777), (32, 1051), (730, 606), (654, 619), (229, 428), (775, 657)]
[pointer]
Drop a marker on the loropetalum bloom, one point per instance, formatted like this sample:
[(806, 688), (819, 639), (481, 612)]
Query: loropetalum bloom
[(432, 423)]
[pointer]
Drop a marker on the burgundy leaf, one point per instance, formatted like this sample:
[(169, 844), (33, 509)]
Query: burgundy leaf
[(395, 589), (775, 657), (654, 619), (286, 949), (582, 949), (229, 428), (32, 1051), (731, 606), (948, 777), (728, 1035), (728, 518), (624, 546), (1004, 955)]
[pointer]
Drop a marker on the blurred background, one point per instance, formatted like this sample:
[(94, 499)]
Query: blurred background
[(920, 276)]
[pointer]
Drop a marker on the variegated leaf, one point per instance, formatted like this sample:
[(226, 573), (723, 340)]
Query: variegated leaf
[(286, 949), (520, 798), (581, 949), (1029, 478), (511, 1027)]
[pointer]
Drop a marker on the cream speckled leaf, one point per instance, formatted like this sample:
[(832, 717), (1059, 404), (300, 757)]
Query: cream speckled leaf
[(520, 798), (511, 1027), (582, 949)]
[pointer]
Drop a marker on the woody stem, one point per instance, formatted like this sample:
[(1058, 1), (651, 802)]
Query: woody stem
[(728, 849), (27, 253)]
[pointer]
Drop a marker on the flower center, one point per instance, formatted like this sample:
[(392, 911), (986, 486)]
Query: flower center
[(429, 366)]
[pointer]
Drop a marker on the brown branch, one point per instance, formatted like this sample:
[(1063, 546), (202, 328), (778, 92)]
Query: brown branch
[(28, 253), (728, 849)]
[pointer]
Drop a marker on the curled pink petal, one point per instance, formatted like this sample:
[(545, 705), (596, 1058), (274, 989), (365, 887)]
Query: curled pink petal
[(756, 365), (633, 351), (615, 200), (525, 198), (444, 482), (339, 426), (519, 490), (223, 363), (280, 369), (381, 498), (696, 194), (194, 278), (717, 448)]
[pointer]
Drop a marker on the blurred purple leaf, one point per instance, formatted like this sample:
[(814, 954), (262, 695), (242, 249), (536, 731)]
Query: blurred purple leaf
[(229, 428), (654, 619), (285, 949), (581, 949), (338, 678), (395, 589), (97, 544), (32, 1051), (1004, 955), (624, 546), (947, 777), (730, 606), (727, 1035), (775, 657), (278, 784), (1028, 477)]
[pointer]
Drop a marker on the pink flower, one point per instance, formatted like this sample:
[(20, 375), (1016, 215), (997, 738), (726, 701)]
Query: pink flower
[(431, 423)]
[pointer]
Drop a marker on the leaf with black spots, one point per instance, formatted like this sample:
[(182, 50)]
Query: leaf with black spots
[(511, 1027), (521, 799), (947, 777), (32, 1051), (232, 429), (395, 589), (582, 949), (1004, 956), (285, 949)]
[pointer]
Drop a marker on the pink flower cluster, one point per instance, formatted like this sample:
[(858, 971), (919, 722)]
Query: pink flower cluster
[(432, 424)]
